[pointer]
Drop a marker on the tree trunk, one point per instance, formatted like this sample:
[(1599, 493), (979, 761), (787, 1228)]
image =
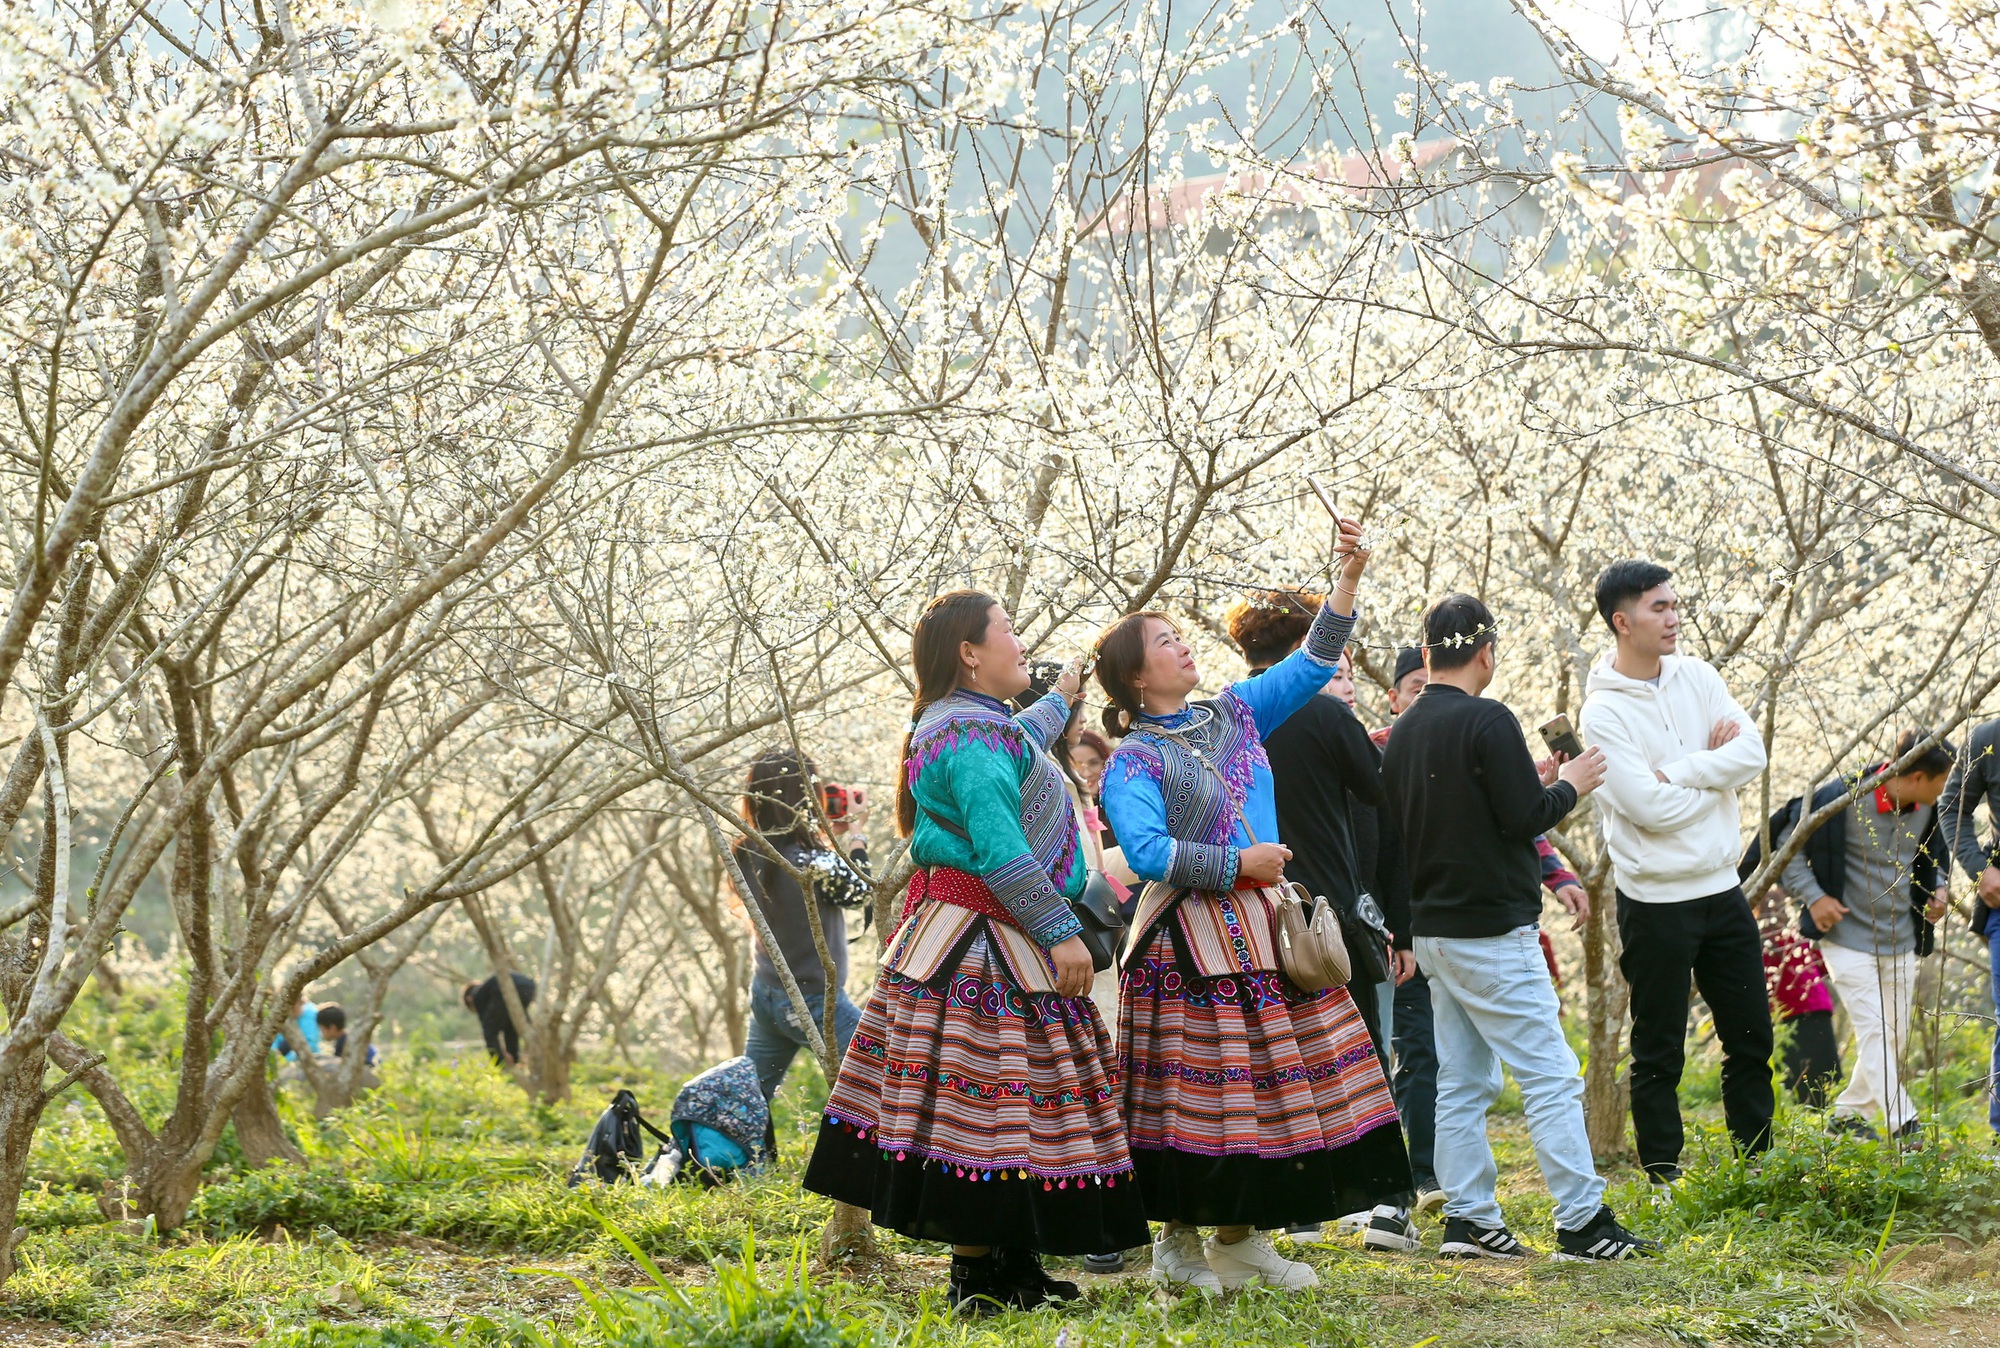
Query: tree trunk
[(1606, 1090), (21, 1106), (848, 1237), (259, 1131), (547, 1069), (162, 1185)]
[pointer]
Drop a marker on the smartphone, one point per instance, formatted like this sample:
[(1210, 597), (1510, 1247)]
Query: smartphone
[(1325, 496), (1561, 738)]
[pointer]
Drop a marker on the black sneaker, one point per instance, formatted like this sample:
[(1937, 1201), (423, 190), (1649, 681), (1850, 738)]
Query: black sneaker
[(1465, 1239), (1105, 1264), (1603, 1241), (1848, 1125), (1430, 1199), (1390, 1228), (1024, 1284), (975, 1291)]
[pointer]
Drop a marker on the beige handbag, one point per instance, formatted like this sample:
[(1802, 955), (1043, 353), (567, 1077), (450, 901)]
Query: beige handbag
[(1311, 950), (1310, 946)]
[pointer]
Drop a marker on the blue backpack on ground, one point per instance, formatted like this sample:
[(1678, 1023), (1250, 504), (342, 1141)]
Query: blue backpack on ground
[(721, 1124)]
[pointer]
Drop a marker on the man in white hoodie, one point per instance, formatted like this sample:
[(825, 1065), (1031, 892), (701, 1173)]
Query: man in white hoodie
[(1676, 749)]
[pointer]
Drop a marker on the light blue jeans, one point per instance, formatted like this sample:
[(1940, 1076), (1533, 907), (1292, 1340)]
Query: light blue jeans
[(1493, 1003), (774, 1035)]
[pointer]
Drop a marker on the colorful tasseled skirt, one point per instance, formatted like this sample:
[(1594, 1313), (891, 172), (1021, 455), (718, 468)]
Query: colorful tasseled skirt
[(1247, 1099), (976, 1105)]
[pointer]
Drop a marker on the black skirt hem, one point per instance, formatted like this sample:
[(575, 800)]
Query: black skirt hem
[(924, 1200), (1275, 1191)]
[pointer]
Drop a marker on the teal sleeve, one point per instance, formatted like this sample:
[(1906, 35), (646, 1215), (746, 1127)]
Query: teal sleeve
[(985, 785), (1046, 720)]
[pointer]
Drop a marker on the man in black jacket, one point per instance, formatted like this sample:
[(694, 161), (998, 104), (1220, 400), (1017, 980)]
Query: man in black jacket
[(486, 1001), (1323, 769), (1471, 801), (1868, 879)]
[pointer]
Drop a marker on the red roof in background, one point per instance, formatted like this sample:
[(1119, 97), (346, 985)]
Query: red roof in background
[(1184, 201)]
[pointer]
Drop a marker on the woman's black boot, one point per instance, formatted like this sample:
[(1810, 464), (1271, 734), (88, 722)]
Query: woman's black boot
[(975, 1286), (1025, 1284)]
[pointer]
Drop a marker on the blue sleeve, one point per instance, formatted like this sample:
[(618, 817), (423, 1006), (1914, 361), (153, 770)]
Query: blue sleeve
[(1288, 685), (1138, 814), (1046, 720)]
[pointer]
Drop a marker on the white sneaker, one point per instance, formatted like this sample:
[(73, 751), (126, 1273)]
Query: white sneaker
[(1178, 1262), (1353, 1223), (1255, 1259)]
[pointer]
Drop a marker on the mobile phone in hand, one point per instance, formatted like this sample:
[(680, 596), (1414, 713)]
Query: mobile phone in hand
[(1325, 496), (1561, 737)]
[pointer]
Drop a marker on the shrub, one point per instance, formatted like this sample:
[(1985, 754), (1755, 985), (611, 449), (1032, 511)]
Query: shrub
[(1845, 1190)]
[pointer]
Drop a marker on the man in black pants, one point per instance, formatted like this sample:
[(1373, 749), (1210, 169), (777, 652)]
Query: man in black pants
[(1676, 749), (485, 1001), (1416, 1049)]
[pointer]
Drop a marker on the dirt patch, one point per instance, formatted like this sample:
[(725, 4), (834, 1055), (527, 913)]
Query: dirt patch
[(1945, 1260), (1947, 1329)]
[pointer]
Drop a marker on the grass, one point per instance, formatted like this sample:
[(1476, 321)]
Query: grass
[(436, 1215)]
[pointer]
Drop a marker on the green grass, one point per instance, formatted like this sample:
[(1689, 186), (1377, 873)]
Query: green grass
[(435, 1215)]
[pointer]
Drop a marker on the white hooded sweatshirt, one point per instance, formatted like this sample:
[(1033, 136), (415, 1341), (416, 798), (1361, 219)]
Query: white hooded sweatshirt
[(1678, 839)]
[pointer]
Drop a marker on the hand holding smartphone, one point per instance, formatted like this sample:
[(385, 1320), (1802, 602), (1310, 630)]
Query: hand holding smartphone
[(1561, 737)]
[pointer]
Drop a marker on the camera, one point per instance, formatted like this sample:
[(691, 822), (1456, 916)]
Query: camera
[(839, 800)]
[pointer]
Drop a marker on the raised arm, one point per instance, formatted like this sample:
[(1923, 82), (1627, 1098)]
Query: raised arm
[(1285, 687), (1046, 719), (1730, 766), (986, 788), (1138, 812), (1288, 685), (1523, 808)]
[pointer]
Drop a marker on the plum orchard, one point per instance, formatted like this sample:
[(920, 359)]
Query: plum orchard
[(441, 444)]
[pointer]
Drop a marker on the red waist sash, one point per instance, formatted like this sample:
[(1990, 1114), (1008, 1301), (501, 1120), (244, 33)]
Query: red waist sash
[(943, 884)]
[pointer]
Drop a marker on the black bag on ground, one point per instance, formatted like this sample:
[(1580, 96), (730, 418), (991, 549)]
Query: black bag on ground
[(616, 1150)]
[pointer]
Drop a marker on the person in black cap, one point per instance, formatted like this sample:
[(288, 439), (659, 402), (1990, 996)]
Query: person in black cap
[(1416, 1076)]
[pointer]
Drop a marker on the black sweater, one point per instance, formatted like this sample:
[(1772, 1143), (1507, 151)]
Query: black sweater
[(1318, 756), (495, 1024), (1464, 789)]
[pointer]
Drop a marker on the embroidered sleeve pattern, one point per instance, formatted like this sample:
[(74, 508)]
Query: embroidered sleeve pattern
[(1045, 721), (1202, 866), (1328, 636), (1025, 890)]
